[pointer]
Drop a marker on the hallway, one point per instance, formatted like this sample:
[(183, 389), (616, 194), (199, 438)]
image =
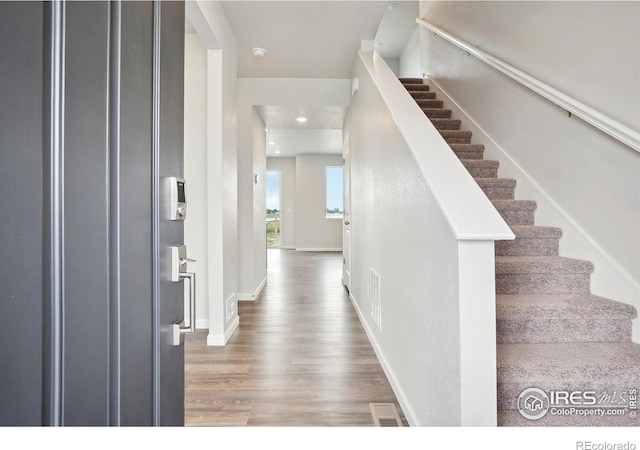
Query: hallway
[(299, 358)]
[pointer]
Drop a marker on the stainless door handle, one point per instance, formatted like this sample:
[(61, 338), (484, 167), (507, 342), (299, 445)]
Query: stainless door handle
[(186, 260), (179, 329), (192, 301)]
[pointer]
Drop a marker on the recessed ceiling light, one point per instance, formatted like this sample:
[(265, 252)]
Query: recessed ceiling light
[(277, 152), (272, 142), (301, 119), (258, 52), (393, 6)]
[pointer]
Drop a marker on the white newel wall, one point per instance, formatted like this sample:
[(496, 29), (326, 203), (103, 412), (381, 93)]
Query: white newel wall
[(219, 251), (436, 337), (584, 181)]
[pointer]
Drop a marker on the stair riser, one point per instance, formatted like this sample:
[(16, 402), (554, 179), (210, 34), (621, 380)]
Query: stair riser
[(435, 113), (543, 283), (423, 95), (414, 87), (527, 247), (411, 80), (483, 172), (498, 193), (457, 140), (518, 217), (446, 124), (456, 137), (553, 330), (473, 154), (425, 103)]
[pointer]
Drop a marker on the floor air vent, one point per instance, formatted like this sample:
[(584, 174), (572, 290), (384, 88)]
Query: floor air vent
[(385, 415)]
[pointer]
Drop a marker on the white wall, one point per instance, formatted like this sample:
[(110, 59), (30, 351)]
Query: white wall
[(221, 162), (409, 65), (313, 230), (259, 202), (252, 238), (304, 225), (287, 168), (394, 65), (195, 170), (583, 181), (394, 226)]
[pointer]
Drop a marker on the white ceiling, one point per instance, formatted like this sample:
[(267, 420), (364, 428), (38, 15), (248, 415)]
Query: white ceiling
[(311, 39), (302, 39)]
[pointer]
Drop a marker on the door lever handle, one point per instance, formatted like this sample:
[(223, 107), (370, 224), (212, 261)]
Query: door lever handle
[(178, 329), (186, 260)]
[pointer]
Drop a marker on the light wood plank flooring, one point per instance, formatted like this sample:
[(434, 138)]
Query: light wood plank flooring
[(299, 358)]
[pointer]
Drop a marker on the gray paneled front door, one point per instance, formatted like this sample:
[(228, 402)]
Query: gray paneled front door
[(91, 120)]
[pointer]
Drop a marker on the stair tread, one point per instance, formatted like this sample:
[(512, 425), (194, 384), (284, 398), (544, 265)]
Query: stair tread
[(536, 232), (416, 86), (560, 307), (541, 264), (428, 109), (496, 182), (514, 204), (409, 80), (480, 162), (466, 147), (423, 94), (429, 103), (585, 361), (445, 120), (456, 133)]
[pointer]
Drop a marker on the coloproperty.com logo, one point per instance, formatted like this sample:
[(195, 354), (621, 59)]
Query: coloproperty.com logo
[(534, 403)]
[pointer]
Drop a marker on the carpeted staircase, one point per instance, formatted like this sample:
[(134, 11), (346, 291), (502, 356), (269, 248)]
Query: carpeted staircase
[(552, 333)]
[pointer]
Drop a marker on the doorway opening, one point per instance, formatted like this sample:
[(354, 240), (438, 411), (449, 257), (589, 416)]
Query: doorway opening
[(274, 222)]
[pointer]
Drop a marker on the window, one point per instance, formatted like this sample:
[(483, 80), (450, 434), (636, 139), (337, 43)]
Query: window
[(334, 196)]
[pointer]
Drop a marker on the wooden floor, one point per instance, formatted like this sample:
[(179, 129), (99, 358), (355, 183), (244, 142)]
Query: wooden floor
[(299, 358)]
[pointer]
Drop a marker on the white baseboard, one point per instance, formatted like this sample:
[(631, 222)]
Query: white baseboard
[(219, 339), (252, 297), (202, 324), (402, 398), (319, 249)]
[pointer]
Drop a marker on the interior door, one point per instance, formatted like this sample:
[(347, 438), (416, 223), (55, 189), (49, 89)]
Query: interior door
[(346, 238)]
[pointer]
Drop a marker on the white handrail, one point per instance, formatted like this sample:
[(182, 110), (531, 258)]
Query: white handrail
[(621, 132)]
